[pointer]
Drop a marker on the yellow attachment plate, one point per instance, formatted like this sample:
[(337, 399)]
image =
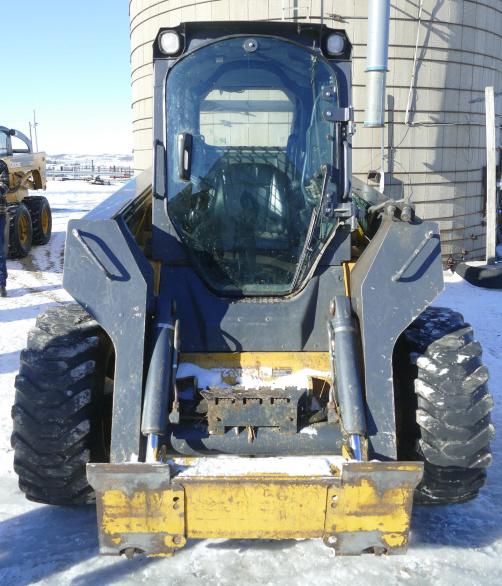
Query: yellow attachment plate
[(355, 507), (279, 508), (256, 360)]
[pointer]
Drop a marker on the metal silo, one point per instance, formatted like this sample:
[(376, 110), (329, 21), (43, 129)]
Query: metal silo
[(442, 55)]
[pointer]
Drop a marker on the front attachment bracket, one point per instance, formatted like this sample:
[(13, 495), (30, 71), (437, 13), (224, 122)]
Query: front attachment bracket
[(355, 507)]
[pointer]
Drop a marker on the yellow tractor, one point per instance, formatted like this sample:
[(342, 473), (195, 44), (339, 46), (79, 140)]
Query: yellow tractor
[(30, 215)]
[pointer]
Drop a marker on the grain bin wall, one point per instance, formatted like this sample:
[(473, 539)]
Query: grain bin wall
[(438, 158)]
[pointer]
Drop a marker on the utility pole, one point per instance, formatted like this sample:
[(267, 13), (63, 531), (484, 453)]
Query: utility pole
[(491, 177), (35, 124)]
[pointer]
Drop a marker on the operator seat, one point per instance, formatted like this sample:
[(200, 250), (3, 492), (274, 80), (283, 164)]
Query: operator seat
[(253, 204)]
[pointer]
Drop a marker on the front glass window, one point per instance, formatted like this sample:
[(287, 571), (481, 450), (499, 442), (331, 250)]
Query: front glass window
[(3, 144), (248, 146)]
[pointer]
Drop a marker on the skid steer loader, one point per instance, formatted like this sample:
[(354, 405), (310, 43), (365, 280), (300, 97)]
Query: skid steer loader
[(30, 215), (253, 354)]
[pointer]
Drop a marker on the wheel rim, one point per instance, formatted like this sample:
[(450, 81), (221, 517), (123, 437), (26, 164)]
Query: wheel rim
[(24, 232), (45, 220)]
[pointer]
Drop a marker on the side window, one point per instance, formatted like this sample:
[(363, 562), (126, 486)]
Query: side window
[(247, 117), (319, 150), (18, 145), (3, 144)]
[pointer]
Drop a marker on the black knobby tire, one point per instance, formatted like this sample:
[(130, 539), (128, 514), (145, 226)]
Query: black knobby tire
[(20, 231), (62, 406), (444, 406), (41, 218)]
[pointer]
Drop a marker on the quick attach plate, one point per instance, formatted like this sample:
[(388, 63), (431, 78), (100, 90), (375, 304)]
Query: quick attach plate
[(355, 507), (265, 407)]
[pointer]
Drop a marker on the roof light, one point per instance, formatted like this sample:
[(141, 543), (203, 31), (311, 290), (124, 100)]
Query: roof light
[(170, 43), (335, 44)]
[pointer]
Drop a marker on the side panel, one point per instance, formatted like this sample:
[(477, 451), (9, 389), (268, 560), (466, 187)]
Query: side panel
[(213, 324), (396, 278), (107, 273), (26, 171)]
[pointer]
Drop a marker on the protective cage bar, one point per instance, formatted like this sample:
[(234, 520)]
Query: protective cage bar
[(355, 507)]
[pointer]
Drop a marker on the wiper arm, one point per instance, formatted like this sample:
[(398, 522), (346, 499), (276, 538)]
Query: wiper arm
[(317, 213)]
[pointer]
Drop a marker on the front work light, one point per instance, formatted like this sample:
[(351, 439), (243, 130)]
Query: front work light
[(170, 43), (335, 44)]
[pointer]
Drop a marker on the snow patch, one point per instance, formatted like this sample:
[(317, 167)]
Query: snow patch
[(311, 431), (231, 466), (206, 377), (423, 389), (426, 364), (249, 378)]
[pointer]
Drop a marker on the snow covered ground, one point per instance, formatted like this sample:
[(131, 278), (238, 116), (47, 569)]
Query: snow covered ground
[(456, 545)]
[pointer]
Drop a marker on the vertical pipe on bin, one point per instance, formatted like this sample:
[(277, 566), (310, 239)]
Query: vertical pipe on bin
[(377, 61), (491, 176)]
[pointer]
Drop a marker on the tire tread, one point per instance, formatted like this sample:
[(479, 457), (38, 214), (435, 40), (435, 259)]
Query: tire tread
[(56, 415), (453, 406)]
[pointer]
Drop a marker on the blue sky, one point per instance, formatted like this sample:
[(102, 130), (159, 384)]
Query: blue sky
[(68, 60)]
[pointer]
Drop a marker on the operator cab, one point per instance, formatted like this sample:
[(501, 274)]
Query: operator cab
[(251, 157), (13, 142)]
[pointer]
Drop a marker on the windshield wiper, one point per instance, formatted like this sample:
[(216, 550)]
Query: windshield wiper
[(317, 213)]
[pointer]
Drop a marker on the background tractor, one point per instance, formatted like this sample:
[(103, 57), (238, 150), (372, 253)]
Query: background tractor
[(253, 353), (30, 216)]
